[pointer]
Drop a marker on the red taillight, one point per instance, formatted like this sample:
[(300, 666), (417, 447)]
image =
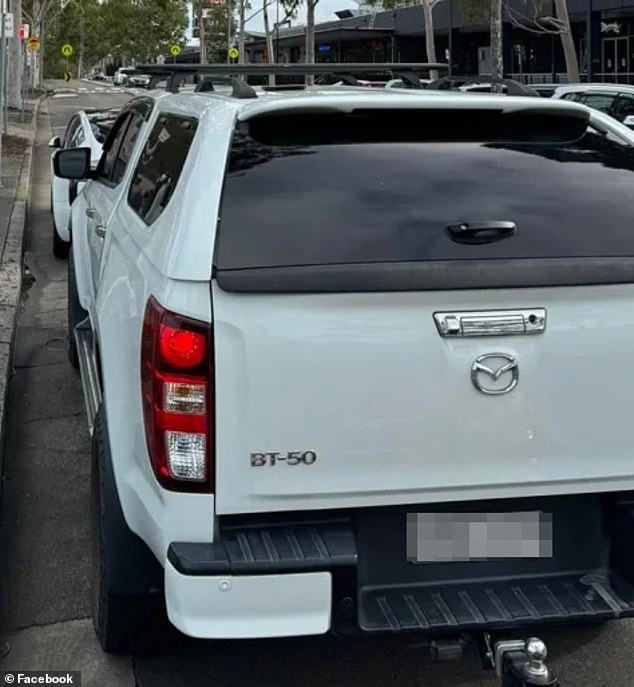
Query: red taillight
[(181, 348), (177, 384)]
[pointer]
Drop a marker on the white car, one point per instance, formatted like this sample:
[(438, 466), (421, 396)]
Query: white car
[(87, 129), (615, 100), (319, 404), (121, 75)]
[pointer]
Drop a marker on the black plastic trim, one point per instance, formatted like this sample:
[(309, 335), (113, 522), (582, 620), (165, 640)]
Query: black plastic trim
[(256, 550), (440, 275)]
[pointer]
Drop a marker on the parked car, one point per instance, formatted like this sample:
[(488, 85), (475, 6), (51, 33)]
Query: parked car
[(319, 404), (137, 79), (398, 83), (474, 84), (86, 129), (98, 75), (121, 75), (546, 90), (616, 100)]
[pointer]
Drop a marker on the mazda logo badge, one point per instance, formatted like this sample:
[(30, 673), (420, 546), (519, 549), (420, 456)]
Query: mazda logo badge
[(499, 377)]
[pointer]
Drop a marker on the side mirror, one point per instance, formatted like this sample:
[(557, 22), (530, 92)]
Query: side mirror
[(72, 163), (629, 121), (55, 142)]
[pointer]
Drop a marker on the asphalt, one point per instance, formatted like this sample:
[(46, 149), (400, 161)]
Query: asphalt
[(44, 543)]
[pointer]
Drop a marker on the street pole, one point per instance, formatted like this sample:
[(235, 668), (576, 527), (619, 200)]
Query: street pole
[(6, 83), (241, 46), (229, 37), (2, 73), (277, 32), (589, 43), (450, 41)]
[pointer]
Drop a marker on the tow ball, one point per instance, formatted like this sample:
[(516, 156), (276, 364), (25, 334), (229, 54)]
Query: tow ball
[(521, 663)]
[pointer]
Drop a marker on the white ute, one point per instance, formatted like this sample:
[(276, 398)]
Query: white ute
[(355, 360)]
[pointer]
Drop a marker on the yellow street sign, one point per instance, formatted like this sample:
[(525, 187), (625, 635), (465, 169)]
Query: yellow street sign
[(67, 76), (233, 53), (176, 50), (67, 50), (33, 44)]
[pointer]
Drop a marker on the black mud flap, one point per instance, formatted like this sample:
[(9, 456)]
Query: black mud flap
[(588, 576)]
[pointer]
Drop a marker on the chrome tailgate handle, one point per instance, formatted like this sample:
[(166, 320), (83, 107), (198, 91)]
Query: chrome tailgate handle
[(490, 322)]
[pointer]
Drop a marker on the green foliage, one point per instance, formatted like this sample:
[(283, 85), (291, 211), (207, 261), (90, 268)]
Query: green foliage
[(476, 11), (216, 32), (121, 30)]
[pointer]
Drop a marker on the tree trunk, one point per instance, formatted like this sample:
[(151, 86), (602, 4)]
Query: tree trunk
[(497, 64), (14, 92), (310, 37), (82, 37), (430, 43), (202, 38), (230, 11), (567, 42), (242, 56), (270, 56)]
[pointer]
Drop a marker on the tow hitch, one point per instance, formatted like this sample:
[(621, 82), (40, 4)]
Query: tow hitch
[(520, 663)]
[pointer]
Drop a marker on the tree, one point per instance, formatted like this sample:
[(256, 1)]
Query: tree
[(557, 25), (428, 16), (219, 26), (290, 10), (310, 36), (119, 30), (202, 34), (497, 56)]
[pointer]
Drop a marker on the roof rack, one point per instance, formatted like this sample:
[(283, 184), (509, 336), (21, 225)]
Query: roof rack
[(233, 74), (512, 87)]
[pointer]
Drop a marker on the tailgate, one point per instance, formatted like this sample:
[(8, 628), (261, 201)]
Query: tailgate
[(343, 236), (388, 406)]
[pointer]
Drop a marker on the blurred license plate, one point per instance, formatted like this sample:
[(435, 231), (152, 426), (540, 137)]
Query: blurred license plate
[(435, 537)]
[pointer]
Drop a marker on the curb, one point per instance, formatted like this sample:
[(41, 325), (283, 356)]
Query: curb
[(11, 260)]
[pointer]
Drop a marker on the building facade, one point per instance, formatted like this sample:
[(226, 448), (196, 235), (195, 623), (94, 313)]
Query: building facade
[(603, 32)]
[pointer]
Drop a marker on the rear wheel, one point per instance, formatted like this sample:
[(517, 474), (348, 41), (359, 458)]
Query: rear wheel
[(60, 247), (127, 603)]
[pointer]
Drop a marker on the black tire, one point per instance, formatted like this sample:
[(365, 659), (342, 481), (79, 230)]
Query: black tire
[(76, 313), (60, 247), (128, 607)]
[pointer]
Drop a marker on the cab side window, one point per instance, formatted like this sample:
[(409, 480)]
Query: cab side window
[(112, 146), (624, 107), (71, 131), (119, 147), (160, 165), (599, 101)]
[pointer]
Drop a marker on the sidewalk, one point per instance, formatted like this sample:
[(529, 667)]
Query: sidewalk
[(15, 176), (14, 147)]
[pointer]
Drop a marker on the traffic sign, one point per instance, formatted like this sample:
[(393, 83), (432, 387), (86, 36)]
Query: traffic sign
[(23, 31), (175, 50), (34, 43), (9, 28), (32, 47), (233, 53), (67, 76), (67, 50)]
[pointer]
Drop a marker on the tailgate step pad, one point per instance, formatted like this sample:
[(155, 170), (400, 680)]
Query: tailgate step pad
[(494, 603)]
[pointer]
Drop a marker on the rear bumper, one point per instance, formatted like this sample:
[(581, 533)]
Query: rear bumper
[(241, 607), (351, 575)]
